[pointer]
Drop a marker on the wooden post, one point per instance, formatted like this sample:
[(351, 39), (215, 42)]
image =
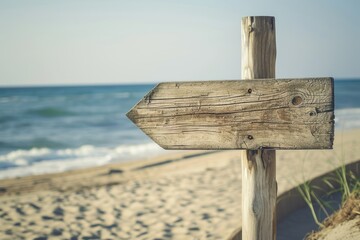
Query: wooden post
[(259, 187)]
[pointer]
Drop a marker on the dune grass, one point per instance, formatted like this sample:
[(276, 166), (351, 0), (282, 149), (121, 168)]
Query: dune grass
[(343, 181)]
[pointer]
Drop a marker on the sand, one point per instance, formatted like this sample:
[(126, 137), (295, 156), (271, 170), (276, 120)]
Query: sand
[(343, 224), (182, 195)]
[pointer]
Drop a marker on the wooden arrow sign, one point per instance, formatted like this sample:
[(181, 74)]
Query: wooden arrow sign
[(240, 114)]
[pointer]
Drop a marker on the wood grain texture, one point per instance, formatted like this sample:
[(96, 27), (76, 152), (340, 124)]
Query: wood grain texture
[(259, 188), (240, 114), (258, 47)]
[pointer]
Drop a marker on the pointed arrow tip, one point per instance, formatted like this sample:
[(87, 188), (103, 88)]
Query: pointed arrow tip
[(130, 115)]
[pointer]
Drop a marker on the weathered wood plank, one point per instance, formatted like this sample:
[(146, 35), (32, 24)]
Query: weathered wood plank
[(239, 114), (258, 57)]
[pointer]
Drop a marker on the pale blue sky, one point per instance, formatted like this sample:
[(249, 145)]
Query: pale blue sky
[(92, 42)]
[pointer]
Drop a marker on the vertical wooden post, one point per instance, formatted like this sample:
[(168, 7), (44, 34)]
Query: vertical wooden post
[(259, 187)]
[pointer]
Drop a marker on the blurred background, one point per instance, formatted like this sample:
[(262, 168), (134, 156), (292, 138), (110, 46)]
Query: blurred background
[(69, 71)]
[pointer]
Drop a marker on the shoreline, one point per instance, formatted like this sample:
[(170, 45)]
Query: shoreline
[(153, 157), (183, 195)]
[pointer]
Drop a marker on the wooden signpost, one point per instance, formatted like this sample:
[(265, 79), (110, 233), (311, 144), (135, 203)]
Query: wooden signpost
[(255, 115)]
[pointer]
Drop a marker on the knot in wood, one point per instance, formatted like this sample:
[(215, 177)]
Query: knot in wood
[(313, 113), (256, 206), (249, 90), (297, 100)]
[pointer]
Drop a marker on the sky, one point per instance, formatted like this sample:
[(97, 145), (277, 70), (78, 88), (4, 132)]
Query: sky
[(121, 42)]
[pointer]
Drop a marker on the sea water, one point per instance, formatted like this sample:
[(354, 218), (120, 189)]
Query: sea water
[(53, 129)]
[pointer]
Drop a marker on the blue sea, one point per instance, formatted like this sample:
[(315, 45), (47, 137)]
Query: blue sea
[(54, 129)]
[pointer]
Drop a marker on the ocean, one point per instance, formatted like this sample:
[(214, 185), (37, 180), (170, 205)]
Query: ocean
[(54, 129)]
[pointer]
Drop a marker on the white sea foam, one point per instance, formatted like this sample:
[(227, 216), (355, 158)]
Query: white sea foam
[(44, 160), (347, 118), (9, 99)]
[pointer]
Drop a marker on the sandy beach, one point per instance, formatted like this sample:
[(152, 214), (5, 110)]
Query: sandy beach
[(182, 195)]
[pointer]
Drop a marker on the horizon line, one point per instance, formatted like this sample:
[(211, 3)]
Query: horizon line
[(127, 83)]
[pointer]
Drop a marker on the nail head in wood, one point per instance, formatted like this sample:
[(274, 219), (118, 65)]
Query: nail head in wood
[(313, 113)]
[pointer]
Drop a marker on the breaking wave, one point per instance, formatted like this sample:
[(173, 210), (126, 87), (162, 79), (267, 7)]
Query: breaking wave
[(44, 160)]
